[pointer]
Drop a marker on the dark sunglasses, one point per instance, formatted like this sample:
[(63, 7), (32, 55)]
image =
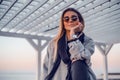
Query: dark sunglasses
[(73, 18)]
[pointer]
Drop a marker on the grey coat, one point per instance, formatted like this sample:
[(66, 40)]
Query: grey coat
[(84, 50)]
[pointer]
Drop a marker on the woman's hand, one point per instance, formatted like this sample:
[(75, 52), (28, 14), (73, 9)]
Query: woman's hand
[(77, 28)]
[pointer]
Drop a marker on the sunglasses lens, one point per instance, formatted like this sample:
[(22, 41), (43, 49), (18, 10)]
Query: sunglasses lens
[(66, 19), (73, 18)]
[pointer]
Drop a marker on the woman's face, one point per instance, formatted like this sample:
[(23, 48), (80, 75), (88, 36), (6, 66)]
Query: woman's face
[(70, 19)]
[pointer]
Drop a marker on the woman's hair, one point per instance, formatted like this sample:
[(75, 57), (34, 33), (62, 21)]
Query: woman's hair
[(62, 29)]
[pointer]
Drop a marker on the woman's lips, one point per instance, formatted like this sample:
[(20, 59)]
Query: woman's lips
[(71, 25)]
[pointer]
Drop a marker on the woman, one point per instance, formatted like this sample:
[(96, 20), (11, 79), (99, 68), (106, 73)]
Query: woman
[(68, 54)]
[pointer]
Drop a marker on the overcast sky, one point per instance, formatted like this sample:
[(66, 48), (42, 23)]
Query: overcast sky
[(18, 55)]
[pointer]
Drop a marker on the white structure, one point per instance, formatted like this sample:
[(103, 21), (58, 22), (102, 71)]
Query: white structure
[(38, 19), (111, 76)]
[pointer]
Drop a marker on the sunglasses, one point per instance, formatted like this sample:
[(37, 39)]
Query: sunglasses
[(73, 18)]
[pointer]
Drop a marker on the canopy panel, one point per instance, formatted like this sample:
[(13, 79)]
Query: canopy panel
[(41, 17)]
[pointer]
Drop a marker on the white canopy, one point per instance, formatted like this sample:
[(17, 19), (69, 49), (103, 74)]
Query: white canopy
[(41, 17)]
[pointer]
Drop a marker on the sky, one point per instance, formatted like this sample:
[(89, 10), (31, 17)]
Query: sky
[(17, 55)]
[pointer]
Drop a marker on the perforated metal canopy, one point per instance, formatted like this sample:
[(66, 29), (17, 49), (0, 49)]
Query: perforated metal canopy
[(41, 17)]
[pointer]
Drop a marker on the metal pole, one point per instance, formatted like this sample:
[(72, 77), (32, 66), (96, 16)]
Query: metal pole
[(105, 76), (105, 50), (39, 60)]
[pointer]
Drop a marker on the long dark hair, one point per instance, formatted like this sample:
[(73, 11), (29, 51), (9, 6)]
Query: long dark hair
[(62, 30)]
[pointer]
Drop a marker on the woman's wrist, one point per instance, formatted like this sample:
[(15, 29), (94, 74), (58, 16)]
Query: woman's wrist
[(73, 36)]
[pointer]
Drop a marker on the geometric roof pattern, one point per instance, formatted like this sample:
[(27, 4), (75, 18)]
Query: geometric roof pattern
[(41, 17)]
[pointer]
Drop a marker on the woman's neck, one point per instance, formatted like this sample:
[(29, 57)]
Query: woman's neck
[(68, 35)]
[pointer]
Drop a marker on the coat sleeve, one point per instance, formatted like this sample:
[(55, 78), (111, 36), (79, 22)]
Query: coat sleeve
[(45, 66), (89, 47), (47, 62), (81, 51)]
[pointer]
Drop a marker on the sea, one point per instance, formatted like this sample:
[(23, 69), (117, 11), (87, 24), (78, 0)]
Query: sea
[(17, 76)]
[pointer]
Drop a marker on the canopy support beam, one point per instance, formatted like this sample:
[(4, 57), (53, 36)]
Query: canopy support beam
[(38, 47), (104, 49)]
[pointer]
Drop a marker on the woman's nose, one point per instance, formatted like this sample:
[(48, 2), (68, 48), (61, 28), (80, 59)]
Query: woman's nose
[(70, 20)]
